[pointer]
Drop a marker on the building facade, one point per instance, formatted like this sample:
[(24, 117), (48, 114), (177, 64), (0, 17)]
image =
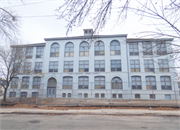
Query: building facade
[(104, 66)]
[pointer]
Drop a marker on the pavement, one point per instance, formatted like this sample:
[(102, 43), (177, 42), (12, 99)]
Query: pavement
[(115, 112)]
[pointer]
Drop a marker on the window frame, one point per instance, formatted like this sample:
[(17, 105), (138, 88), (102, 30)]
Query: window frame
[(162, 63), (147, 50), (38, 67), (27, 67), (113, 48), (113, 84), (83, 47), (69, 50), (166, 82), (161, 48), (132, 46), (147, 67), (99, 64), (14, 82), (36, 82), (67, 82), (150, 84), (116, 64), (135, 65), (97, 48), (85, 66), (85, 82), (39, 52), (29, 52), (25, 82), (99, 82), (54, 53), (53, 66), (67, 65), (136, 86)]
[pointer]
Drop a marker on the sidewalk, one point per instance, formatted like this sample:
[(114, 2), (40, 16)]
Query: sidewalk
[(115, 112)]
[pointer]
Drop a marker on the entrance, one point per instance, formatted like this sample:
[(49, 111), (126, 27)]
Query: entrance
[(51, 88)]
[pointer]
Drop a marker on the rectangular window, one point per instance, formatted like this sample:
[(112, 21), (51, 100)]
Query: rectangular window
[(166, 83), (119, 95), (161, 49), (152, 96), (115, 65), (147, 48), (99, 82), (84, 66), (64, 95), (96, 95), (25, 83), (99, 66), (69, 95), (113, 95), (150, 82), (136, 82), (163, 65), (53, 66), (36, 82), (149, 65), (133, 49), (68, 66), (29, 52), (39, 52), (27, 67), (102, 95), (137, 96), (83, 82), (38, 67), (85, 95), (135, 65), (14, 82)]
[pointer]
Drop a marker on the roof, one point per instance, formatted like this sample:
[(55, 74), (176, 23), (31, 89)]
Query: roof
[(148, 39), (34, 44)]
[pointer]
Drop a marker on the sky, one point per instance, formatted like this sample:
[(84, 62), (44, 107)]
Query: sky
[(38, 21)]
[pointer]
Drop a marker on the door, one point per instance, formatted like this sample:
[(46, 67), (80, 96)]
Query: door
[(51, 92)]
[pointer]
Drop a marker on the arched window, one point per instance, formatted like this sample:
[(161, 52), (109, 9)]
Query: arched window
[(25, 83), (69, 50), (99, 82), (84, 49), (83, 82), (99, 48), (12, 94), (36, 82), (67, 82), (150, 82), (14, 82), (23, 94), (136, 82), (35, 94), (115, 48), (116, 83), (54, 50), (166, 83), (52, 82)]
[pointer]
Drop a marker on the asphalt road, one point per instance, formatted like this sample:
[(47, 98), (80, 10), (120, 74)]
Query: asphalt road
[(87, 122)]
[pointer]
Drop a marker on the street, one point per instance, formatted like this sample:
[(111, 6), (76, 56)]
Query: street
[(87, 122)]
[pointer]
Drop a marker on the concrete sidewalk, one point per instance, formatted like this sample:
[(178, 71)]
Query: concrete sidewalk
[(117, 112)]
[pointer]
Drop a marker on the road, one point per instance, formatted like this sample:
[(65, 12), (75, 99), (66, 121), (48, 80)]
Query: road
[(87, 122)]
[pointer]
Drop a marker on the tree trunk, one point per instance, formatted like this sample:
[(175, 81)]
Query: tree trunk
[(4, 97)]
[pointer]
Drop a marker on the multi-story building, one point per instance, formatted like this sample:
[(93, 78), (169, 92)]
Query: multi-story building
[(103, 66)]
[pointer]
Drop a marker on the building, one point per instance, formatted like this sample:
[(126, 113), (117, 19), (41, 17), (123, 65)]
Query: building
[(103, 66)]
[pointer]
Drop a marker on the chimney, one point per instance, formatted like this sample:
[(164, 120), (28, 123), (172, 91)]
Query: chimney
[(88, 32)]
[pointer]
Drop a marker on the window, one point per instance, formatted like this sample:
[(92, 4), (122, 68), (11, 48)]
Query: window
[(52, 82), (99, 82), (163, 65), (84, 49), (136, 82), (119, 95), (36, 82), (38, 67), (102, 95), (115, 48), (83, 82), (12, 94), (23, 94), (84, 66), (27, 67), (25, 83), (39, 52), (147, 48), (69, 95), (133, 49), (161, 49), (54, 50), (99, 48), (137, 96), (150, 82), (166, 83), (96, 95), (99, 66), (152, 96), (29, 52), (113, 95), (135, 65), (69, 50), (116, 83), (68, 66), (67, 82), (148, 65), (85, 95), (53, 66), (115, 65), (168, 96), (64, 95), (35, 94), (79, 95), (14, 82)]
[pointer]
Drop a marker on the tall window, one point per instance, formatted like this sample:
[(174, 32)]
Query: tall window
[(136, 82), (99, 48), (148, 65), (38, 67), (99, 82), (14, 82), (163, 65), (84, 49), (25, 83), (69, 50), (99, 66), (39, 52), (27, 67), (150, 82), (84, 66), (115, 48), (116, 83), (133, 49), (54, 50), (83, 82), (29, 52), (67, 82), (36, 82), (135, 65), (68, 66), (161, 48), (115, 65), (53, 66), (166, 83), (147, 48)]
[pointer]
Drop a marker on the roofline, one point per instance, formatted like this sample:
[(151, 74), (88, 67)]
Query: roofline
[(148, 40), (85, 37), (34, 44)]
